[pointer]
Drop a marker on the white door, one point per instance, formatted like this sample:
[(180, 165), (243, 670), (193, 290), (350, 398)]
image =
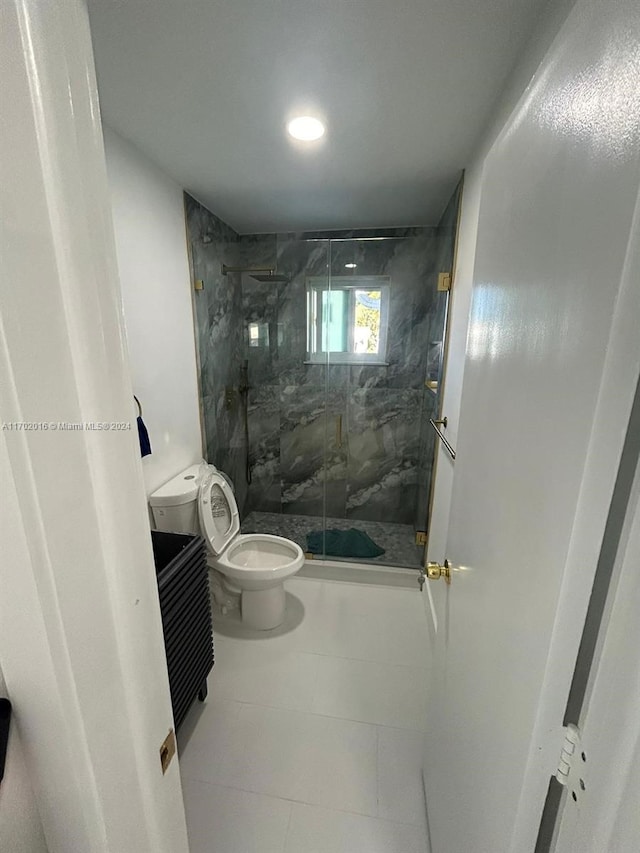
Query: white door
[(551, 367)]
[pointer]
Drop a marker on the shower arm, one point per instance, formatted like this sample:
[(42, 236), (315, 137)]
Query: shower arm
[(226, 269)]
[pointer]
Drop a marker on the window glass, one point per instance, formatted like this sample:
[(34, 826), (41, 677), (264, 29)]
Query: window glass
[(347, 321)]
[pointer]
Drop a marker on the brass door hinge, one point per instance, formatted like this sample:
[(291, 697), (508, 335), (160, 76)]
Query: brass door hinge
[(167, 750), (198, 284), (444, 281)]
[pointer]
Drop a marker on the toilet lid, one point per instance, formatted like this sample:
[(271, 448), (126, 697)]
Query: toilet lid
[(218, 511)]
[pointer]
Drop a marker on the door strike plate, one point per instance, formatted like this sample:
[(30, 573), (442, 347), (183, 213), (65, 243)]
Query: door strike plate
[(421, 537), (167, 751)]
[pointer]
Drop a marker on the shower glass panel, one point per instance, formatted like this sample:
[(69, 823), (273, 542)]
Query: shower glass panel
[(287, 408), (376, 381), (445, 249), (318, 381)]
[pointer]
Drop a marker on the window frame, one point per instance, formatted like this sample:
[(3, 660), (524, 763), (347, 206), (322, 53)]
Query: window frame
[(315, 287)]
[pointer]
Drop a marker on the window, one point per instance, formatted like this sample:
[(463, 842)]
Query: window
[(258, 335), (347, 320)]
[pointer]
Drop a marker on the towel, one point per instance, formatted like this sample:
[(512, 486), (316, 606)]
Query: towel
[(343, 543), (143, 435)]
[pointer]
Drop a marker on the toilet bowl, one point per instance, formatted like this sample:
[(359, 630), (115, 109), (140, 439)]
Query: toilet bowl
[(201, 500)]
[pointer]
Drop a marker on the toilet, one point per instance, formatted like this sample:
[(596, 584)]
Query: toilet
[(255, 565)]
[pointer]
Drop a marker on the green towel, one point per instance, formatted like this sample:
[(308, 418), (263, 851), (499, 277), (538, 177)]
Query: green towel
[(342, 543)]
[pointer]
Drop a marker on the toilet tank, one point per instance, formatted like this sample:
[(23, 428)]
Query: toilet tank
[(174, 506)]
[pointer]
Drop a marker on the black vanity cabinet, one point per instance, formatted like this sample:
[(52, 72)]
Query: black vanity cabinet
[(185, 604)]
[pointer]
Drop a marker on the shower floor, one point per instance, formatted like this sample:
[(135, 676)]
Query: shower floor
[(398, 540)]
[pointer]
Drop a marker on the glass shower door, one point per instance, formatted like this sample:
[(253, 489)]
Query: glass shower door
[(370, 330), (441, 281), (301, 396), (286, 398)]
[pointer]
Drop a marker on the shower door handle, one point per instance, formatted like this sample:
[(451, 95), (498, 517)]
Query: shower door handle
[(339, 431)]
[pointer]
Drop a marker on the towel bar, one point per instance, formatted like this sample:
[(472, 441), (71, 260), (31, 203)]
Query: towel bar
[(448, 447)]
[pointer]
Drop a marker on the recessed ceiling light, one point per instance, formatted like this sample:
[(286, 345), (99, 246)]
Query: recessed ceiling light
[(350, 266), (306, 128)]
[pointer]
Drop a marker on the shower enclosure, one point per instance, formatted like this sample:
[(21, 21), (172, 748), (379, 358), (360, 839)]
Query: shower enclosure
[(321, 359)]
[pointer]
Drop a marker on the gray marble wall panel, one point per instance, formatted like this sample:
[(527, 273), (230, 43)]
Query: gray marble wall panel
[(220, 338), (384, 447), (380, 468), (313, 455), (264, 449)]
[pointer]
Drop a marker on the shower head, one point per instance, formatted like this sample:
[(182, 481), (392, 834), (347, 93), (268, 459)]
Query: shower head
[(270, 277)]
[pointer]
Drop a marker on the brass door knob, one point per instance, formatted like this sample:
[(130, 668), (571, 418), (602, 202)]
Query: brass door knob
[(435, 571)]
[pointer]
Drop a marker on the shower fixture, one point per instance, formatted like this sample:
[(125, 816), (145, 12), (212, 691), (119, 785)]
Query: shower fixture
[(262, 274), (244, 389)]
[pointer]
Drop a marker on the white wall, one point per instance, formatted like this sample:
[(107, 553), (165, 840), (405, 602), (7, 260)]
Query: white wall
[(20, 825), (151, 246), (520, 78)]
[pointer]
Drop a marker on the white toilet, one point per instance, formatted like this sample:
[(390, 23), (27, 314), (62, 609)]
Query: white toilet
[(201, 500)]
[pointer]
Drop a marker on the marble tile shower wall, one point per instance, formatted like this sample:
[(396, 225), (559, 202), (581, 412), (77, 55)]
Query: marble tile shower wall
[(298, 463), (220, 338)]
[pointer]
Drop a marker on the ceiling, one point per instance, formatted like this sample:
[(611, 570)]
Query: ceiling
[(205, 87)]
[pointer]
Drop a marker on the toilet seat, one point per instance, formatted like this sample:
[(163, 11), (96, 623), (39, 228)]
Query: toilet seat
[(247, 556), (218, 511)]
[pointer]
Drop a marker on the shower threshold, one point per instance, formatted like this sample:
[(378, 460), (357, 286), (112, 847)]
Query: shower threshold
[(396, 567)]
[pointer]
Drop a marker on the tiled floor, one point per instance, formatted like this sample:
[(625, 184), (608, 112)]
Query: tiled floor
[(311, 741), (398, 540)]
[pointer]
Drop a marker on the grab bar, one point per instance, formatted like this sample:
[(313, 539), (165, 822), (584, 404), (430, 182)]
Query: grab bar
[(435, 424)]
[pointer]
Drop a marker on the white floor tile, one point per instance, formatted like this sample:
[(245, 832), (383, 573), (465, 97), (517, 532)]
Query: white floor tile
[(318, 721), (309, 758), (383, 693), (400, 634), (264, 675), (365, 623), (213, 751), (343, 768), (301, 597), (384, 639), (316, 830), (374, 601), (400, 789), (306, 589), (278, 750), (225, 820)]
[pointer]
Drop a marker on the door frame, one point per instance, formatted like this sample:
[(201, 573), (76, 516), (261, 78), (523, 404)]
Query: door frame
[(445, 361), (439, 448), (607, 762), (80, 626)]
